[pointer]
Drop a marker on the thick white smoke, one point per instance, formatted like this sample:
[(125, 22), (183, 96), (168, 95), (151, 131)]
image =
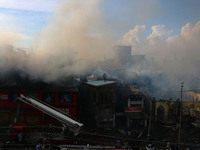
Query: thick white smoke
[(169, 60), (69, 45), (132, 35), (72, 42)]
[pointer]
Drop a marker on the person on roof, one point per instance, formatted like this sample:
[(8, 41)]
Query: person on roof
[(104, 76)]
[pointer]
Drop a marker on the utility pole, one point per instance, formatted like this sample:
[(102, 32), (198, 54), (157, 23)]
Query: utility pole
[(150, 113), (180, 112)]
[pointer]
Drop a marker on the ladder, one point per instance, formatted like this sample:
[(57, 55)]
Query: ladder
[(65, 119)]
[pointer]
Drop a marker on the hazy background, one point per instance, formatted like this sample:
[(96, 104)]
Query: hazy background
[(50, 40)]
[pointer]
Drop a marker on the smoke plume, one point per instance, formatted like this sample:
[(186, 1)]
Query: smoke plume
[(72, 42), (169, 61), (69, 45)]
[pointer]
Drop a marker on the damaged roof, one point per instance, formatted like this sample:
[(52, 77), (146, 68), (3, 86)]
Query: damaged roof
[(99, 83)]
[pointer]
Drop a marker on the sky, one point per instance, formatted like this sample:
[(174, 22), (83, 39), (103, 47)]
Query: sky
[(119, 16), (62, 34)]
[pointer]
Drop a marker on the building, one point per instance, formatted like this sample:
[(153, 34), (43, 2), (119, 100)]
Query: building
[(97, 103), (14, 111), (124, 58), (122, 55), (133, 110)]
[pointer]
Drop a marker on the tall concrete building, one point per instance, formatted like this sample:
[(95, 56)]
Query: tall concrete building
[(122, 55)]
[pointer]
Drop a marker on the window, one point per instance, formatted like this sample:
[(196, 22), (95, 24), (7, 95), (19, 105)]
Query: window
[(66, 98), (48, 98)]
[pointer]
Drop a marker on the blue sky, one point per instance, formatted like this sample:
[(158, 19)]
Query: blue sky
[(119, 16), (25, 17), (174, 14)]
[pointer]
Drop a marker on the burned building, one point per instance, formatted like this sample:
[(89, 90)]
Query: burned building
[(97, 103), (14, 84)]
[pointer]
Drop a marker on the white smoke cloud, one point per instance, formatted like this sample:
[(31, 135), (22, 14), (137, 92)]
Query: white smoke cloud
[(132, 35), (70, 44), (158, 31), (70, 39), (191, 32), (170, 60)]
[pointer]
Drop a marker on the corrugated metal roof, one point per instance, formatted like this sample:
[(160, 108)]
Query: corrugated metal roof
[(100, 83)]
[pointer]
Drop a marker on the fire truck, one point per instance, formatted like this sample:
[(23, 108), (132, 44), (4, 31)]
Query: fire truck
[(62, 99), (51, 111)]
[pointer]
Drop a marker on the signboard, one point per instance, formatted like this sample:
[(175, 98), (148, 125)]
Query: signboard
[(48, 97), (133, 109), (4, 97), (66, 98)]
